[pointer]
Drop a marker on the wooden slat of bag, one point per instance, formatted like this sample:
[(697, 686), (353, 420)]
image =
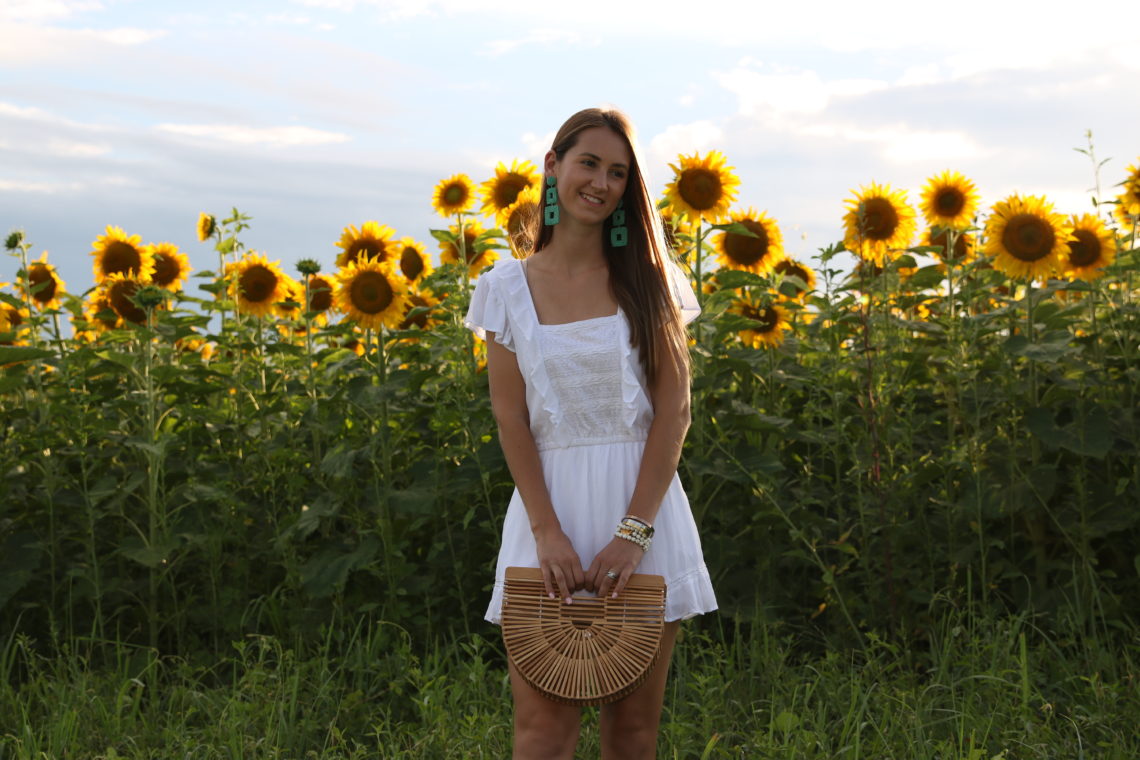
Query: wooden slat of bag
[(593, 653)]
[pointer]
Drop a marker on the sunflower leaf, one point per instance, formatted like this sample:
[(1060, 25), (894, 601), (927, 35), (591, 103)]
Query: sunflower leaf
[(12, 301), (1093, 438), (444, 236), (730, 279), (330, 567), (10, 354), (21, 556), (927, 277)]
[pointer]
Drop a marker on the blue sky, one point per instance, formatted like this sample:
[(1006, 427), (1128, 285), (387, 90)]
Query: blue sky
[(313, 114)]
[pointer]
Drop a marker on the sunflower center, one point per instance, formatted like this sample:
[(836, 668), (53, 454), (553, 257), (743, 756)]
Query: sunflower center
[(508, 188), (949, 202), (1028, 237), (766, 319), (121, 257), (1085, 250), (165, 270), (470, 254), (746, 250), (700, 188), (370, 292), (454, 195), (959, 252), (411, 264), (257, 283), (39, 275), (320, 294), (363, 249), (120, 296), (880, 219)]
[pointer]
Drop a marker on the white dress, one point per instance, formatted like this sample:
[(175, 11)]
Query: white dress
[(589, 413)]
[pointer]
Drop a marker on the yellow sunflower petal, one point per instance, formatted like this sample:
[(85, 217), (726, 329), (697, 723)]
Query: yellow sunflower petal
[(411, 259), (118, 291), (1026, 238), (1128, 202), (702, 188), (44, 285), (771, 322), (206, 226)]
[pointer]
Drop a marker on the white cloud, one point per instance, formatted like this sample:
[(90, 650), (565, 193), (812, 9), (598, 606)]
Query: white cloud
[(45, 188), (44, 10), (537, 145), (270, 137), (683, 138), (545, 37), (760, 93), (28, 43), (901, 144)]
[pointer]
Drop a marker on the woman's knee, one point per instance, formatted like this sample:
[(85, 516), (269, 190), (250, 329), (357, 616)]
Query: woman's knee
[(545, 734)]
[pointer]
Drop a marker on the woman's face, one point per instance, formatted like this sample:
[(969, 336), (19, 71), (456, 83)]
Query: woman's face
[(592, 175)]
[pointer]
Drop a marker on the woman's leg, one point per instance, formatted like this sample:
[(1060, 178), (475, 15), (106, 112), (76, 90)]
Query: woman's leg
[(629, 726), (544, 729)]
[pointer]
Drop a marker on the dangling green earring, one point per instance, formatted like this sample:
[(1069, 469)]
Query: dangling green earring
[(550, 210), (619, 234)]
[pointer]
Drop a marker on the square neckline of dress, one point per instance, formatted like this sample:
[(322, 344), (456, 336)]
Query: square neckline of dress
[(534, 311)]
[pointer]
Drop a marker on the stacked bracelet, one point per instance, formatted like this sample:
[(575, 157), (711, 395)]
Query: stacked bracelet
[(635, 530)]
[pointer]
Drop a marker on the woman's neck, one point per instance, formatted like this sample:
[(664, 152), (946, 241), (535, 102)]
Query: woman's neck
[(574, 249)]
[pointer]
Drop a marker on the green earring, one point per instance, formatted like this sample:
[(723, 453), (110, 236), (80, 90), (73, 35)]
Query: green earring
[(619, 233), (550, 210)]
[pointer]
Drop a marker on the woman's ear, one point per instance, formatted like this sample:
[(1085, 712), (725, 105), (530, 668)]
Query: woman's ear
[(549, 162)]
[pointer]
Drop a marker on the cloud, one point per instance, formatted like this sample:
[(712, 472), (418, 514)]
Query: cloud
[(789, 92), (37, 11), (545, 37), (29, 44), (681, 138), (269, 137), (903, 144)]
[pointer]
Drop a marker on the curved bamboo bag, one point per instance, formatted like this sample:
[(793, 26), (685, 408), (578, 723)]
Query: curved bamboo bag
[(590, 652)]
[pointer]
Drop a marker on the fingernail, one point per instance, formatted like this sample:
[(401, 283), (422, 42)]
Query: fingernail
[(613, 595), (551, 594), (569, 600)]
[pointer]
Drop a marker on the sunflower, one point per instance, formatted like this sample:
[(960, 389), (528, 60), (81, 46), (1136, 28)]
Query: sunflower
[(118, 290), (965, 246), (878, 222), (14, 324), (292, 296), (770, 323), (477, 255), (678, 230), (503, 189), (171, 266), (412, 259), (423, 320), (702, 188), (793, 268), (1128, 202), (321, 290), (256, 284), (454, 195), (206, 226), (517, 220), (116, 253), (43, 284), (372, 241), (949, 200), (98, 312), (1026, 237), (371, 294), (1091, 248), (752, 254)]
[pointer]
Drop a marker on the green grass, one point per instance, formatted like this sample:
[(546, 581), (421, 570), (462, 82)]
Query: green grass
[(980, 689)]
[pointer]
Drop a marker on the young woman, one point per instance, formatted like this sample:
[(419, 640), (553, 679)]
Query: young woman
[(589, 378)]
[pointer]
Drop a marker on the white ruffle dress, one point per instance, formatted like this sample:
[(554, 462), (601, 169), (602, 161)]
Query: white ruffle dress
[(590, 413)]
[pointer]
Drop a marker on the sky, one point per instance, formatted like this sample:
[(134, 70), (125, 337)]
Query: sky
[(310, 115)]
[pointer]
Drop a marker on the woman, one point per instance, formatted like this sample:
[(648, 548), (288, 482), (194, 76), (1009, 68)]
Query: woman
[(589, 377)]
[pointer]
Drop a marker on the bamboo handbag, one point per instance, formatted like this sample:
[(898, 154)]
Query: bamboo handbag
[(590, 652)]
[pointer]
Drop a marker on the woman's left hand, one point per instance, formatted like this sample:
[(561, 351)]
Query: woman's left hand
[(619, 557)]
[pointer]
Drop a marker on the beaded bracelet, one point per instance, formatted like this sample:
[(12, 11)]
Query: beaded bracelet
[(634, 530)]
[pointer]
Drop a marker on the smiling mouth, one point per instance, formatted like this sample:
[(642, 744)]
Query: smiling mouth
[(591, 199)]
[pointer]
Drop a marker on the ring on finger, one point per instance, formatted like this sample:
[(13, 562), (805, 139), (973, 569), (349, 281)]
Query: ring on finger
[(611, 575)]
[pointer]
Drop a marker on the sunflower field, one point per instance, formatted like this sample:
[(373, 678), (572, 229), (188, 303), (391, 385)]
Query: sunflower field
[(249, 513)]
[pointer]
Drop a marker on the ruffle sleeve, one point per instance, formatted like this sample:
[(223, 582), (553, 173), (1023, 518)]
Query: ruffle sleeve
[(488, 311), (682, 289)]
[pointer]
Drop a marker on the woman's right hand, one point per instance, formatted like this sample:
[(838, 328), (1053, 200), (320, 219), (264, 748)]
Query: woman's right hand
[(560, 564)]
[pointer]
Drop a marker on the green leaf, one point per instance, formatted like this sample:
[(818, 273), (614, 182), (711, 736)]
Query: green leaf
[(1093, 439), (11, 354), (786, 722), (329, 568), (19, 560), (12, 301)]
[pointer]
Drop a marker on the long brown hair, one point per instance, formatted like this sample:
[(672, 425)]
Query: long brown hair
[(638, 275)]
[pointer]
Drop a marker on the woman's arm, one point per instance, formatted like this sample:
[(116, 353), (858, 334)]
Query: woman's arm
[(560, 564), (669, 394)]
